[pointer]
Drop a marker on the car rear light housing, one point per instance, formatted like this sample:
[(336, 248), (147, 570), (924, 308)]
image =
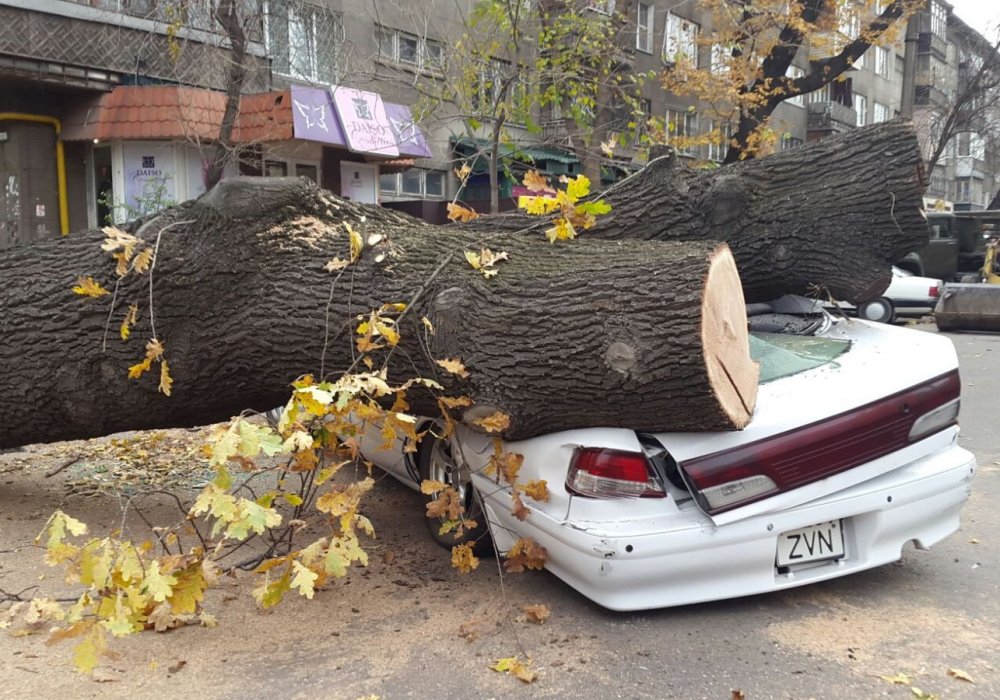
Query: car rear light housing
[(731, 478), (604, 473), (934, 291)]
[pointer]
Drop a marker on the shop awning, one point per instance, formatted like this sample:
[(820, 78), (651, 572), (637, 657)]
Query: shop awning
[(176, 112), (545, 158)]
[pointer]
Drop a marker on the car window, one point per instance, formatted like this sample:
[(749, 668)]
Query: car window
[(783, 355)]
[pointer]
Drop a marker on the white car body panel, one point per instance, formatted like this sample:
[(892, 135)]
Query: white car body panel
[(639, 553)]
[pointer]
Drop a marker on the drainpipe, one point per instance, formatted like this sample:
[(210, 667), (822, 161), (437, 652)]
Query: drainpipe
[(60, 160)]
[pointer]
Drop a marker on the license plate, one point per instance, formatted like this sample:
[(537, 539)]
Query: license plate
[(813, 543)]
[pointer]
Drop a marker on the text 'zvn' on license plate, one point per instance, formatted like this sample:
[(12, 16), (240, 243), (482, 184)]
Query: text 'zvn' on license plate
[(813, 543)]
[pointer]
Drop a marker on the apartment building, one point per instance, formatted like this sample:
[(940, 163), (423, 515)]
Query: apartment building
[(109, 107)]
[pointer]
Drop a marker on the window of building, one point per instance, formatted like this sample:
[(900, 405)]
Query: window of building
[(720, 133), (644, 28), (939, 19), (794, 72), (603, 6), (861, 108), (821, 95), (303, 41), (882, 61), (409, 49), (682, 127), (414, 182), (788, 142), (680, 40), (971, 144), (880, 113)]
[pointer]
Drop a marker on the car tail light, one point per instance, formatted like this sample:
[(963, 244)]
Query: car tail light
[(934, 291), (749, 473), (604, 473)]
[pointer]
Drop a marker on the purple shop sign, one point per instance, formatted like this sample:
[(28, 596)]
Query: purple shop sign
[(410, 139), (364, 121), (313, 118)]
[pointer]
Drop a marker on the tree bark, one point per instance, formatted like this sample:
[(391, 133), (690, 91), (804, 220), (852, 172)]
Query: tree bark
[(649, 336), (829, 218)]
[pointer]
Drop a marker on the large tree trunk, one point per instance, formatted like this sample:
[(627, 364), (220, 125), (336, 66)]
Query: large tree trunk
[(651, 335), (638, 324), (828, 218)]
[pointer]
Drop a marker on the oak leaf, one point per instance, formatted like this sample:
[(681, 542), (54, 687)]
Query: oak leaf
[(130, 318), (89, 287), (525, 554), (357, 244), (456, 212), (537, 613), (959, 674), (514, 666), (536, 490), (496, 422), (536, 182), (166, 381), (143, 260), (463, 559), (454, 366)]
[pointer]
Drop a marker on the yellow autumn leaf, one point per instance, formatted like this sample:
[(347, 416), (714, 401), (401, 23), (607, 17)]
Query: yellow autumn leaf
[(514, 666), (538, 206), (304, 579), (135, 371), (959, 674), (357, 244), (166, 381), (86, 653), (562, 230), (454, 366), (89, 287), (158, 585), (143, 260), (429, 487), (456, 212), (537, 613), (496, 422), (427, 324), (463, 173), (130, 318), (473, 259), (898, 679), (536, 182), (577, 187), (463, 559), (537, 490), (336, 264), (154, 349)]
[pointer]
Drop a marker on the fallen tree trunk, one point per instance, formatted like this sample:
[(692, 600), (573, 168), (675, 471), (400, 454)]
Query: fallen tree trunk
[(639, 324), (650, 335), (830, 217)]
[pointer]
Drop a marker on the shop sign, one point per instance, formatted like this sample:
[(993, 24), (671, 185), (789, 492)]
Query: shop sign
[(364, 121)]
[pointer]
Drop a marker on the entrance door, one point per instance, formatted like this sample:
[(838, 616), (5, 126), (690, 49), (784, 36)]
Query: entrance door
[(103, 186), (29, 202), (358, 181)]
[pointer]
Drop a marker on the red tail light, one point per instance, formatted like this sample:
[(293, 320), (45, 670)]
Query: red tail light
[(603, 473), (725, 480), (934, 291)]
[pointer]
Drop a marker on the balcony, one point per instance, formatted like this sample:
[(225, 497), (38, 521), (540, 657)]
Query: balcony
[(825, 118)]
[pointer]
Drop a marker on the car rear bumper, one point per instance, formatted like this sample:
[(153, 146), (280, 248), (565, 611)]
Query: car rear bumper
[(685, 558)]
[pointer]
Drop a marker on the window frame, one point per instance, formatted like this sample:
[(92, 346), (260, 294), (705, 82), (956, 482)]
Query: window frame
[(674, 32), (428, 53), (646, 30), (398, 192), (862, 114), (289, 66)]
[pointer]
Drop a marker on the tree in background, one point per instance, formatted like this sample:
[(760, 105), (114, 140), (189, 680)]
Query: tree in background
[(752, 47), (545, 71)]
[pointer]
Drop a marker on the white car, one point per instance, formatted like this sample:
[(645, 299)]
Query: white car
[(851, 454), (907, 293)]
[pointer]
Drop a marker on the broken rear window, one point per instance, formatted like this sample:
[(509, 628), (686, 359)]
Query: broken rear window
[(782, 355)]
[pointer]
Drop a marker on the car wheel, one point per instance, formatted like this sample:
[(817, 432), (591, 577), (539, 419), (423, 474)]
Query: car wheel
[(880, 310), (436, 462)]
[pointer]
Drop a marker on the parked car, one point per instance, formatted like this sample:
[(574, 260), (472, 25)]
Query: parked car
[(850, 455), (906, 294)]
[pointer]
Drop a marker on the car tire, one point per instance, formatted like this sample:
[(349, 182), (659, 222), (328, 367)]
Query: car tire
[(436, 462), (879, 310)]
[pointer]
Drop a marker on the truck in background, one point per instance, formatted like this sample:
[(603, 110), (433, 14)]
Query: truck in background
[(956, 246)]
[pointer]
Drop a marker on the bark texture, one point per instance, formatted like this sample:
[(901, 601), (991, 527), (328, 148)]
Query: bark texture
[(829, 217), (587, 334)]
